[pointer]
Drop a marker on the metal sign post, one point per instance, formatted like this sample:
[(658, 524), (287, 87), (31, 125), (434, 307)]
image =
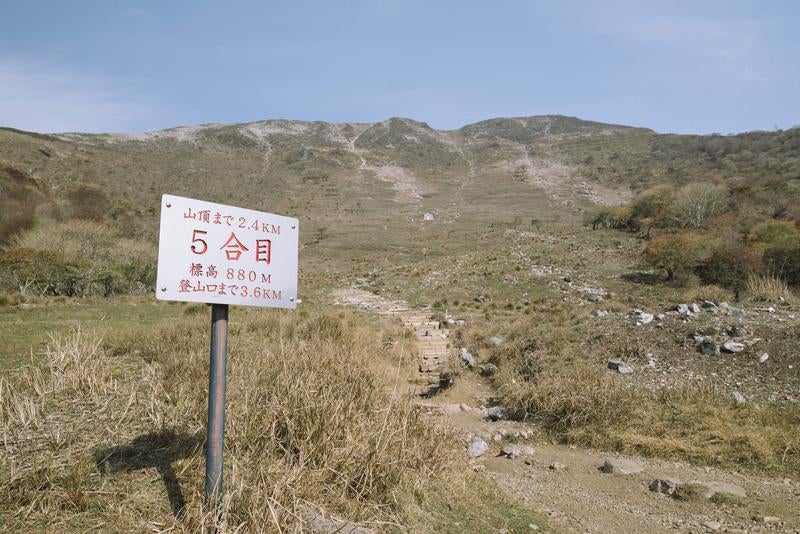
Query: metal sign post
[(215, 442), (223, 255)]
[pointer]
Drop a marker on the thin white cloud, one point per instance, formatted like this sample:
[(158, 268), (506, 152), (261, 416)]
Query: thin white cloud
[(40, 97), (727, 45)]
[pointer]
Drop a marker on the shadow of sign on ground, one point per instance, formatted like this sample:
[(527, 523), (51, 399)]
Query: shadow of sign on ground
[(159, 450)]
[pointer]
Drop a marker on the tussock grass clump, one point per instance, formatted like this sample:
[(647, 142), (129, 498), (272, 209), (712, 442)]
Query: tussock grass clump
[(767, 288), (710, 292), (563, 402), (689, 492), (308, 424)]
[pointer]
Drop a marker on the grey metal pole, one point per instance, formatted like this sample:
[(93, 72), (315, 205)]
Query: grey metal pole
[(216, 402)]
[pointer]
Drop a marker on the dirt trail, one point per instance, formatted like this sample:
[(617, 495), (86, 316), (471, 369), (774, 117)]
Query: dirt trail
[(566, 484)]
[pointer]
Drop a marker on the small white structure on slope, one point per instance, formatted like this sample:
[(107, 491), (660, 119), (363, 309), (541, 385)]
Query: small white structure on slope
[(429, 216)]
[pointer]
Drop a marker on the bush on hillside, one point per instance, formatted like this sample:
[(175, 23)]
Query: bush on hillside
[(87, 201), (730, 266), (696, 202), (675, 253), (38, 272), (784, 260), (774, 234), (100, 262)]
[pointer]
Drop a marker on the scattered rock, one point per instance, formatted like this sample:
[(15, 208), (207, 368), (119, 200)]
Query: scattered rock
[(496, 413), (730, 310), (513, 450), (739, 398), (661, 316), (642, 317), (594, 297), (451, 408), (694, 308), (683, 309), (621, 466), (316, 522), (487, 369), (770, 519), (764, 357), (557, 466), (708, 305), (497, 340), (667, 486), (734, 331), (620, 367), (732, 346), (467, 357), (477, 447), (599, 313), (713, 525), (533, 526), (708, 347), (712, 488), (480, 298)]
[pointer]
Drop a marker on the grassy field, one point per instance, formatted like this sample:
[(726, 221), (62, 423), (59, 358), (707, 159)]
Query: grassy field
[(105, 430), (25, 332)]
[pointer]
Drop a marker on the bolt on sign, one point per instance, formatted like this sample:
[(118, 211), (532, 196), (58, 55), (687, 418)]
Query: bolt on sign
[(226, 255)]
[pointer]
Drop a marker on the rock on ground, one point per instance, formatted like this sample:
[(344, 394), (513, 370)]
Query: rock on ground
[(620, 367), (513, 450), (477, 447), (667, 486), (496, 413), (316, 522), (732, 346), (467, 357), (497, 340), (712, 488), (708, 347), (621, 466)]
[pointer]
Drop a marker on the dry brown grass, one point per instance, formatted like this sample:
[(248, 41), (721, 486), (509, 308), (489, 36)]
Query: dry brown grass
[(549, 374), (581, 397), (712, 293), (307, 423), (767, 288)]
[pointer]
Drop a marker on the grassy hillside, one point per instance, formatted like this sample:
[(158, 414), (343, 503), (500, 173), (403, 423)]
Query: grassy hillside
[(542, 300)]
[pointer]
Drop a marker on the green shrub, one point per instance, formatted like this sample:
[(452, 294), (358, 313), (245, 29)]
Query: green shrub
[(38, 272), (675, 253), (774, 234)]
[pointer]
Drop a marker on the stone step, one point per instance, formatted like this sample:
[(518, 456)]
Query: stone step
[(432, 343), (422, 324), (394, 311), (432, 334), (429, 379)]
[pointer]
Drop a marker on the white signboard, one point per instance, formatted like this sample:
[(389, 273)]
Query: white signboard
[(226, 255)]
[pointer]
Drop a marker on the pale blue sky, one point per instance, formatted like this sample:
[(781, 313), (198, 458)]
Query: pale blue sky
[(680, 66)]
